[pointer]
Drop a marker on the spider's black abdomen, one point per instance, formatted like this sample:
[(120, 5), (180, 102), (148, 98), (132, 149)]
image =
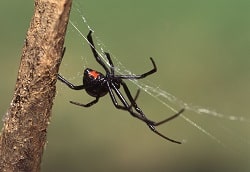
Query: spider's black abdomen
[(95, 83)]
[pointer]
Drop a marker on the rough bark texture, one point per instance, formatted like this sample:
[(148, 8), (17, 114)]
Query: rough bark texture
[(24, 131)]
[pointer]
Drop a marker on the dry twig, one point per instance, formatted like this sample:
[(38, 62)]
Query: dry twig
[(24, 131)]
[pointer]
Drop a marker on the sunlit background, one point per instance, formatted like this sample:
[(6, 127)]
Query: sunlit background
[(202, 53)]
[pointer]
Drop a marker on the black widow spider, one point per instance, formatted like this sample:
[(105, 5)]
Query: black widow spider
[(97, 85)]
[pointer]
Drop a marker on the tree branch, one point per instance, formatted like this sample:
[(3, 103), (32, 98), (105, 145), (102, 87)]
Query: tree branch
[(24, 131)]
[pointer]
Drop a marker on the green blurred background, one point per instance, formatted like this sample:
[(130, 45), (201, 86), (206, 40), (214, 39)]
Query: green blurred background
[(202, 52)]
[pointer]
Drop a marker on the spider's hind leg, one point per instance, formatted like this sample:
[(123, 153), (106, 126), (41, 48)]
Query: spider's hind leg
[(152, 128)]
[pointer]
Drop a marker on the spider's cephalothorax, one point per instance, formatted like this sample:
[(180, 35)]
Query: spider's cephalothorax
[(97, 85)]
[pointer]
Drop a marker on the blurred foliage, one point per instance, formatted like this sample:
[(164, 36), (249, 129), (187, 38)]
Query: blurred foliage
[(202, 52)]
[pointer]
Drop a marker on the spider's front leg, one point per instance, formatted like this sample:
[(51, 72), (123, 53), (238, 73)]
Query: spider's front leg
[(142, 75), (95, 53), (70, 85)]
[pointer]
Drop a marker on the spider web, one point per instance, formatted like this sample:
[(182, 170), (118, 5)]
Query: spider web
[(164, 97)]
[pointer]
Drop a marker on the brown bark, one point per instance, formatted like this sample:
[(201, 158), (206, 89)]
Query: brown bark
[(24, 131)]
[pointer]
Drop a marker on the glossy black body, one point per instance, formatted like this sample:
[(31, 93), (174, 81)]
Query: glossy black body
[(98, 85)]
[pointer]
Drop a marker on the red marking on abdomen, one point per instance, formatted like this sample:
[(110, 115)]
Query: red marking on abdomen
[(94, 74)]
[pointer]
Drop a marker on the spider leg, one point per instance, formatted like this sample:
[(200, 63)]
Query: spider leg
[(70, 85), (123, 107), (86, 105), (95, 53), (63, 80), (112, 96), (110, 63), (142, 116), (63, 51), (170, 118), (137, 95), (161, 135), (133, 103), (142, 75)]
